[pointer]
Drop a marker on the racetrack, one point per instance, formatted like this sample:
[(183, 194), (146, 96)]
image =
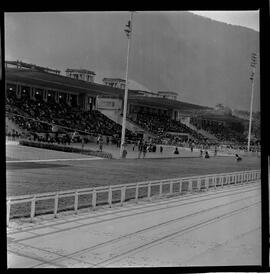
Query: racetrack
[(219, 227), (71, 171)]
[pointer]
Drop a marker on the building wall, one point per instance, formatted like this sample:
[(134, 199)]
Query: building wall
[(108, 103)]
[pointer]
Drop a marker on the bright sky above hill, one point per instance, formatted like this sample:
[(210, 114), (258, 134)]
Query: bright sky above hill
[(249, 19)]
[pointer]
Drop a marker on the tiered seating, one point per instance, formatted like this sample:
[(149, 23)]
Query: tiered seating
[(45, 114), (160, 125), (223, 134)]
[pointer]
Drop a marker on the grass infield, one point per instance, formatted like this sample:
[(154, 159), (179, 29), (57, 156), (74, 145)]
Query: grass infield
[(27, 177)]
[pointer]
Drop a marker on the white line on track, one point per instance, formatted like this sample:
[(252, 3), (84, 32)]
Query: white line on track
[(55, 160)]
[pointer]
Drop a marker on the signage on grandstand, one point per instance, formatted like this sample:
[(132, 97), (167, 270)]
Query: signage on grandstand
[(108, 103)]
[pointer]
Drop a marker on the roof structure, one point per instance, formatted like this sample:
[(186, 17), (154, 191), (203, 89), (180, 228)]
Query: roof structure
[(80, 71), (113, 79), (64, 83), (20, 64), (167, 92), (166, 103), (60, 82), (220, 117)]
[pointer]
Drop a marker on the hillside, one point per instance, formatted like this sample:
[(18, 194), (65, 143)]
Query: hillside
[(205, 61)]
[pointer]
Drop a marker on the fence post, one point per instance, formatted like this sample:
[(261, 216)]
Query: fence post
[(149, 191), (215, 182), (136, 193), (76, 202), (221, 178), (55, 205), (123, 192), (171, 187), (94, 199), (33, 206), (206, 183), (160, 189), (110, 196), (199, 183), (180, 186), (190, 185), (8, 212)]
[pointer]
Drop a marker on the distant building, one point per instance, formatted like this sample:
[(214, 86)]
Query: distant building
[(168, 94), (114, 82), (81, 74)]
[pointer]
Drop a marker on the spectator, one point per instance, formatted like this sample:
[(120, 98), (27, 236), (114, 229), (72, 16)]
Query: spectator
[(161, 149), (206, 155), (140, 148), (215, 153), (100, 143), (238, 158), (82, 143), (144, 149), (176, 151)]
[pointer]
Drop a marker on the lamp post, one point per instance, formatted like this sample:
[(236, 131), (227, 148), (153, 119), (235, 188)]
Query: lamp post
[(253, 65), (128, 33)]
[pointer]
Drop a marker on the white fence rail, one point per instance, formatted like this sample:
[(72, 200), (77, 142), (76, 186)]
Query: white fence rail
[(148, 189)]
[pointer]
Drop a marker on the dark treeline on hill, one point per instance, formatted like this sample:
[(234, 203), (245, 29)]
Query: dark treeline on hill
[(206, 61)]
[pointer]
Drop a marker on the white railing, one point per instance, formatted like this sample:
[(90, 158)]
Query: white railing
[(174, 186)]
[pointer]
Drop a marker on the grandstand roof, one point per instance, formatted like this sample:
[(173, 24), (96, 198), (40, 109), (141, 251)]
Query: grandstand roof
[(220, 117), (164, 102), (113, 79), (60, 82), (47, 80)]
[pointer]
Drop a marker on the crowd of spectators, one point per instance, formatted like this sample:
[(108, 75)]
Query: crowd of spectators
[(39, 116), (160, 125), (222, 132)]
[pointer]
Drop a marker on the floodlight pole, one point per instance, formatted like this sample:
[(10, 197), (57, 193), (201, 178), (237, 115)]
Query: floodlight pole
[(251, 101), (129, 32)]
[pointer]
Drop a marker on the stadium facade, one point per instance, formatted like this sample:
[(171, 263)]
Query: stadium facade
[(78, 90)]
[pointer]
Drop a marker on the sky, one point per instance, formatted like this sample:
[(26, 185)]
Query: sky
[(249, 19)]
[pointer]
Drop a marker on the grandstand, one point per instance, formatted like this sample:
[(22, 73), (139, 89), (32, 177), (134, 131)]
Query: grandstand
[(40, 101)]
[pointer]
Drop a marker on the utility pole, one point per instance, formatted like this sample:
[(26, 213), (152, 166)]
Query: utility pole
[(253, 65), (128, 33)]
